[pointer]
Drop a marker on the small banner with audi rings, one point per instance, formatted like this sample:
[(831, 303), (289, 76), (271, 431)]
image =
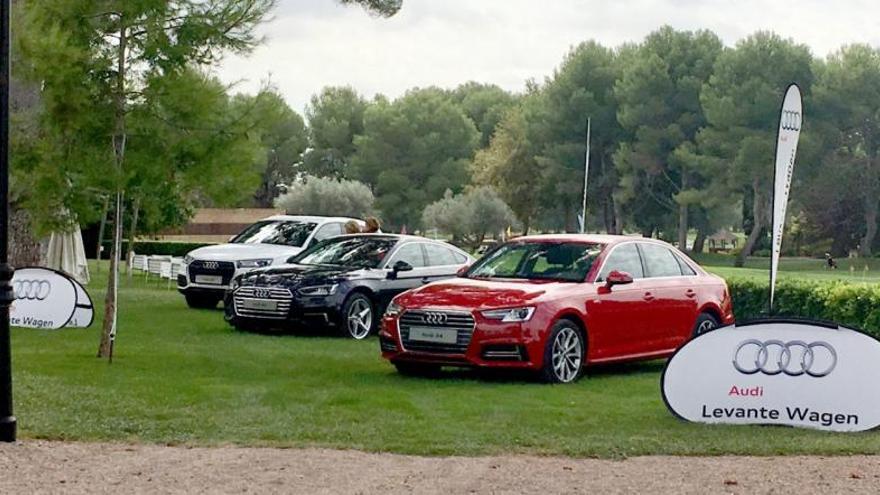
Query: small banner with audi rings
[(45, 298), (777, 372), (791, 118)]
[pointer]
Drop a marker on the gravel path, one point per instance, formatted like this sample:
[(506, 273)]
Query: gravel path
[(60, 467)]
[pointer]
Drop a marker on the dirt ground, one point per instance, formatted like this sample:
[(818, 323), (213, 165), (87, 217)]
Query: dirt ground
[(61, 467)]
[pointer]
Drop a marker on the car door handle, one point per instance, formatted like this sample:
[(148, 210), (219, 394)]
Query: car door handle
[(690, 293), (425, 280), (648, 296)]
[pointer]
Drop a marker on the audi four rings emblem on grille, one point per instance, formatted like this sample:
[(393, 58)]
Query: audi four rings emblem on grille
[(795, 357), (435, 318), (33, 290), (211, 265), (262, 293)]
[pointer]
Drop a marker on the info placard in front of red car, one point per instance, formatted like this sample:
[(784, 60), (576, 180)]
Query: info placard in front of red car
[(793, 373)]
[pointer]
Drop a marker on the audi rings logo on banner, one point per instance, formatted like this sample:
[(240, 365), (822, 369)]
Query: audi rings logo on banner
[(32, 290), (433, 318), (790, 120), (794, 358)]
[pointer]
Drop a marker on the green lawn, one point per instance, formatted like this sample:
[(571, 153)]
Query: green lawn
[(182, 376), (851, 270)]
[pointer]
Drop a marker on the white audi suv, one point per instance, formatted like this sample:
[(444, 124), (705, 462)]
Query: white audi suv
[(209, 270)]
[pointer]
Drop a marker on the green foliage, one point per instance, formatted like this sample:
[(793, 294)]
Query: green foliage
[(469, 217), (156, 129), (853, 304), (335, 116), (282, 136), (582, 87), (741, 104), (659, 97), (508, 165), (485, 105), (326, 196), (412, 150)]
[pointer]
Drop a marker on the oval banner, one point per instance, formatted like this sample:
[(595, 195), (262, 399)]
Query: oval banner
[(777, 372), (44, 298), (84, 314)]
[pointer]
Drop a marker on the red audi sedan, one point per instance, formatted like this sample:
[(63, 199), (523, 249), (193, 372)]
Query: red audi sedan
[(554, 304)]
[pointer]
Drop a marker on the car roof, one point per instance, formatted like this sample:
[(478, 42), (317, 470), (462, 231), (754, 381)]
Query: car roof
[(587, 238), (312, 218)]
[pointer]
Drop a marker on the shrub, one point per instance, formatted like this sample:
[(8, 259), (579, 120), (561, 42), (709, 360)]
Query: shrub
[(850, 304), (326, 196), (178, 249)]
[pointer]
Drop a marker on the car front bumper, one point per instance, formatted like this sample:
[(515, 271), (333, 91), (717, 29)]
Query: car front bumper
[(490, 344)]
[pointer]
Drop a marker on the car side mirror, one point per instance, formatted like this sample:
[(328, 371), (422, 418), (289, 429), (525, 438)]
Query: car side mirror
[(617, 278), (461, 271), (400, 266)]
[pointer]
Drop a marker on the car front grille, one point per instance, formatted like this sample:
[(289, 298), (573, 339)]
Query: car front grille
[(281, 298), (461, 322), (226, 269)]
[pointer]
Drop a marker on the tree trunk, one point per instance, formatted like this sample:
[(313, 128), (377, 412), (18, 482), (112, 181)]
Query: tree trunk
[(870, 185), (132, 233), (682, 227), (870, 225), (100, 245), (108, 335), (700, 241), (757, 226), (24, 249), (618, 216)]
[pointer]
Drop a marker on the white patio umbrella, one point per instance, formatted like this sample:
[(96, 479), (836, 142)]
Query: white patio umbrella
[(67, 254)]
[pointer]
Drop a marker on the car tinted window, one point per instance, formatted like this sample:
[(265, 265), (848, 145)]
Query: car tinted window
[(659, 261), (568, 261), (363, 252), (439, 255), (328, 230), (623, 258), (284, 232), (685, 268), (410, 253)]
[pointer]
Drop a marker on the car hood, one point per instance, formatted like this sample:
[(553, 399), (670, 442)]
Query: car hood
[(296, 275), (237, 252), (468, 294)]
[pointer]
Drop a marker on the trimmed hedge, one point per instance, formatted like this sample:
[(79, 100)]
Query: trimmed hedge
[(855, 305), (156, 248)]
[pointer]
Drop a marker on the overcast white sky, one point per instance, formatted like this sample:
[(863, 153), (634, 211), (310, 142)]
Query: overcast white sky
[(314, 43)]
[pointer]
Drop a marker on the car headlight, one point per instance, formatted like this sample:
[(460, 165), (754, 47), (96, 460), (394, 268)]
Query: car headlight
[(254, 263), (393, 309), (509, 315), (187, 259), (318, 290)]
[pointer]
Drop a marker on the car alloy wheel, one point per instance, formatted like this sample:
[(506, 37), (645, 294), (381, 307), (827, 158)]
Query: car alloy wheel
[(567, 354), (359, 319), (705, 323)]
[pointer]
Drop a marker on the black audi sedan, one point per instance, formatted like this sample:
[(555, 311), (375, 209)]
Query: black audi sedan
[(344, 282)]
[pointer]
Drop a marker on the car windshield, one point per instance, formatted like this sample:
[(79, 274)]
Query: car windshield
[(567, 261), (362, 252), (284, 232)]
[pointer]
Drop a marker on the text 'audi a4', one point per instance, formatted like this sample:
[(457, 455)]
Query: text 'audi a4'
[(555, 304), (343, 282)]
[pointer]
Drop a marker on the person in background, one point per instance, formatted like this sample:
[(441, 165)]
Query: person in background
[(352, 227), (372, 225)]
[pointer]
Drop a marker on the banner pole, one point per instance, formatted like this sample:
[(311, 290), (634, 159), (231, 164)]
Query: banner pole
[(586, 176), (7, 420)]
